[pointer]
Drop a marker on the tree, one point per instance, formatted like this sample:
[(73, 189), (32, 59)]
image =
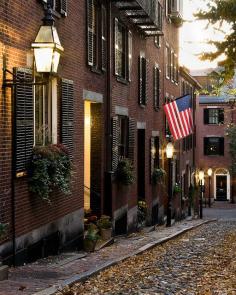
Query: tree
[(231, 133), (218, 13)]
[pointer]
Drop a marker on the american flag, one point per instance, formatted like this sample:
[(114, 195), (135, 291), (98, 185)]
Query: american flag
[(180, 117)]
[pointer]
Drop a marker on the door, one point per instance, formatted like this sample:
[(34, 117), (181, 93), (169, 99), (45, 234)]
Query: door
[(221, 187), (141, 164)]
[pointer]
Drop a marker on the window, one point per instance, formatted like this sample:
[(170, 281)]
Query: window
[(96, 35), (214, 146), (214, 116), (123, 51), (167, 127), (122, 137), (156, 87), (45, 113), (143, 80)]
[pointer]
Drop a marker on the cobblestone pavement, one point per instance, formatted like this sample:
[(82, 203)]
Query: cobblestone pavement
[(201, 262), (56, 271)]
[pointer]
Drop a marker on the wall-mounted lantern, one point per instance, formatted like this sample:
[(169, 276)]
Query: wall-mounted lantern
[(47, 46)]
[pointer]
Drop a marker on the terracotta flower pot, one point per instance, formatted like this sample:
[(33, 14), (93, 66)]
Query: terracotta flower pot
[(106, 233)]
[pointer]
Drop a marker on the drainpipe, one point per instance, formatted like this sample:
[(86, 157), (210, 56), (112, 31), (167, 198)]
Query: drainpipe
[(108, 129)]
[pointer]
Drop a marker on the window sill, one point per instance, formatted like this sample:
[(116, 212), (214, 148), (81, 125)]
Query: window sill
[(143, 106), (122, 80), (96, 70), (157, 109), (214, 155)]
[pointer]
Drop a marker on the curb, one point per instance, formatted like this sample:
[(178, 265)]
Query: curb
[(85, 275)]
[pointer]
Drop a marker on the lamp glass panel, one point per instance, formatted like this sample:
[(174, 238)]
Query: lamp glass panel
[(169, 150), (55, 61), (201, 175), (209, 172), (43, 59)]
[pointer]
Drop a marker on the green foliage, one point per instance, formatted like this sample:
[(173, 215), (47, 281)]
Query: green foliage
[(3, 229), (92, 233), (218, 13), (124, 172), (158, 175), (177, 189), (104, 222), (50, 168), (231, 133)]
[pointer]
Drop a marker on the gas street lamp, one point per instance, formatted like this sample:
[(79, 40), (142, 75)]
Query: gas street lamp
[(201, 179), (169, 155), (209, 172)]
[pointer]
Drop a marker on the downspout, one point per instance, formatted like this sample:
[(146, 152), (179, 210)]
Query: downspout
[(108, 129)]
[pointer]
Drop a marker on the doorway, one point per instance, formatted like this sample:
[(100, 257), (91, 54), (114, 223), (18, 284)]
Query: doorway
[(221, 187), (141, 164), (92, 157)]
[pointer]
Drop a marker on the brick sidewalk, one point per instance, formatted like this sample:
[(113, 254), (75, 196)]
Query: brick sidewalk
[(47, 275)]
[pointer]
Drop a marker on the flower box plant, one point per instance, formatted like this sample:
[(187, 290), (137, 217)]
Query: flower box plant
[(3, 229), (177, 189), (124, 172), (50, 169)]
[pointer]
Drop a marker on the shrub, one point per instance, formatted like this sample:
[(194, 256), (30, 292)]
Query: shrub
[(177, 189), (3, 229), (142, 213), (158, 175), (92, 233), (50, 168), (124, 172)]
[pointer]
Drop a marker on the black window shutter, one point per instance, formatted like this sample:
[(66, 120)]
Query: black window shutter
[(63, 7), (221, 151), (206, 116), (115, 142), (205, 145), (156, 87), (145, 77), (24, 120), (140, 79), (67, 114), (132, 131), (90, 39), (104, 39), (221, 116)]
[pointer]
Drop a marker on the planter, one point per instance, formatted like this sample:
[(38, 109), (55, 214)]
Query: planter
[(89, 245), (106, 233)]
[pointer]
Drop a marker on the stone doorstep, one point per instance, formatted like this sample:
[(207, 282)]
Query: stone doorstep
[(85, 275), (3, 272)]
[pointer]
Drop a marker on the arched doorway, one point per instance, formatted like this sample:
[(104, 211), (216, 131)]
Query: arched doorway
[(221, 184)]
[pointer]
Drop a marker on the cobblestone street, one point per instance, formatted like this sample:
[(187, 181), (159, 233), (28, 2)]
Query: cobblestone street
[(202, 261)]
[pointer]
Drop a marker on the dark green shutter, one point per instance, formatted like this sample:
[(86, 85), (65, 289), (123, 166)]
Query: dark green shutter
[(90, 46), (156, 88), (67, 115), (140, 99), (221, 146), (115, 142), (145, 81), (104, 38), (206, 116), (24, 119), (132, 131)]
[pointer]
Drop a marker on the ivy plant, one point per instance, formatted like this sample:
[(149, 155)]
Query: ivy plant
[(50, 169)]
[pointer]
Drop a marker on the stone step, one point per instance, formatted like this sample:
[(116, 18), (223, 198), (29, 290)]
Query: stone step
[(3, 272)]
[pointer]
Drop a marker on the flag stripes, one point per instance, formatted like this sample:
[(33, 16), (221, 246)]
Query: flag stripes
[(179, 116)]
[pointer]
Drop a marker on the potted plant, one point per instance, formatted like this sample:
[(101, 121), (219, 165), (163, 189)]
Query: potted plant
[(91, 237), (142, 214), (50, 169), (124, 172), (105, 226), (158, 175)]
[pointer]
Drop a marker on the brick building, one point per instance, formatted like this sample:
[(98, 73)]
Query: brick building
[(119, 66)]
